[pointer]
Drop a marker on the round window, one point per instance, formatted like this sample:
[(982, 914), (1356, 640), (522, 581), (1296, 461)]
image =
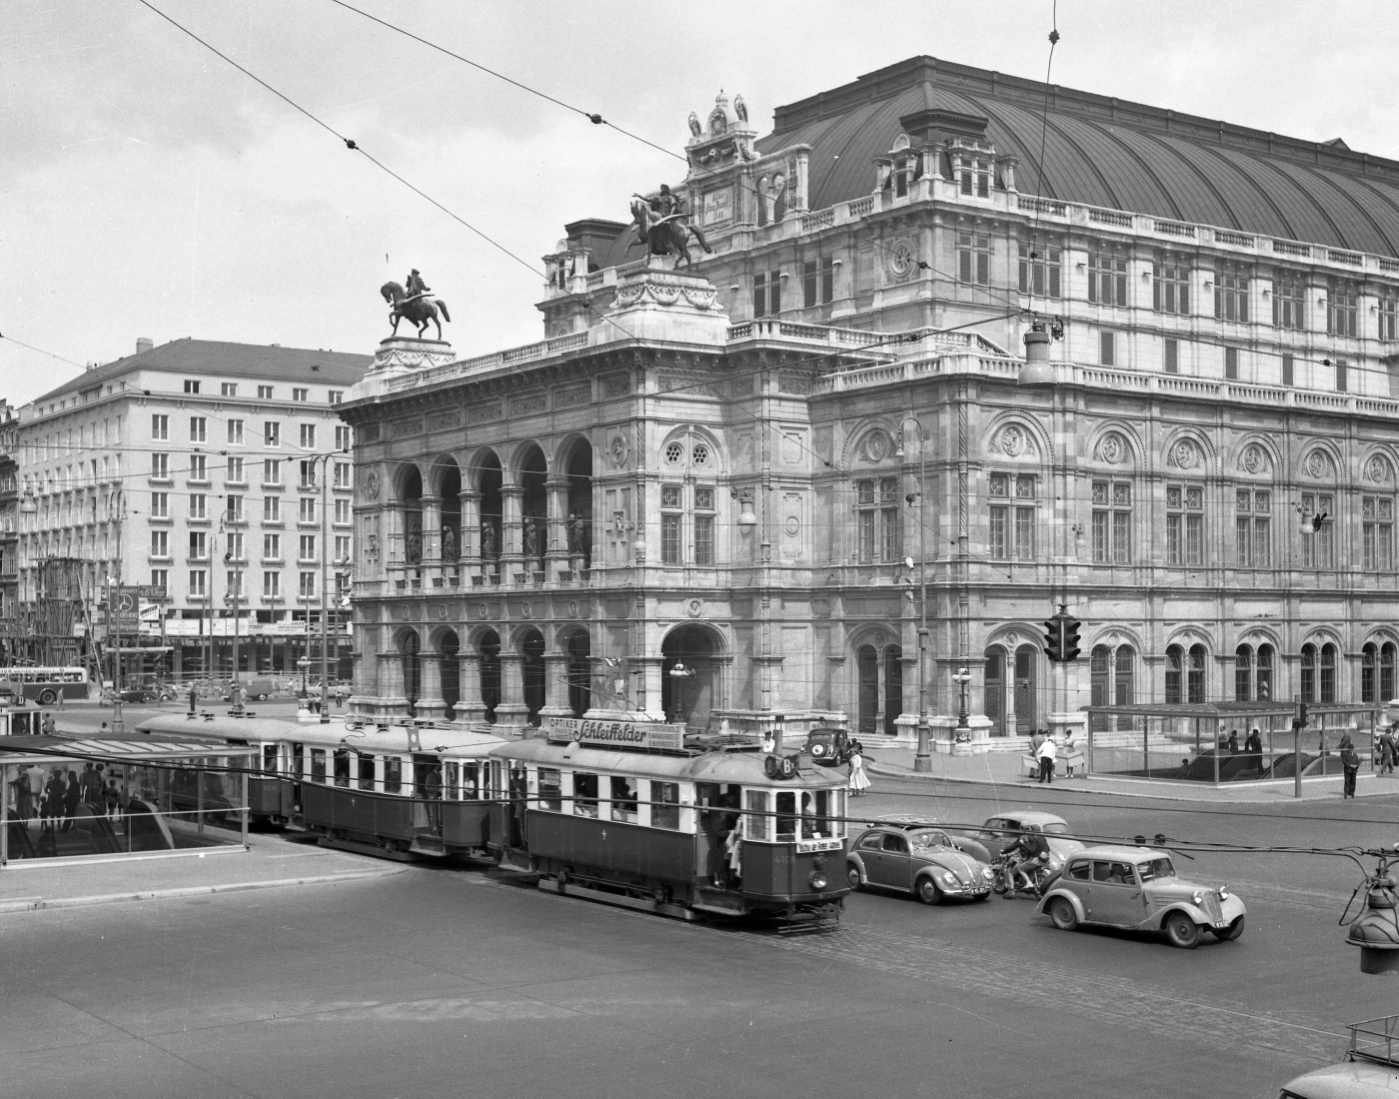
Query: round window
[(674, 452), (700, 455)]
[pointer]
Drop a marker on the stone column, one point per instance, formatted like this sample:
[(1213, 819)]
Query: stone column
[(472, 707), (469, 537), (431, 704), (556, 538), (556, 702), (646, 686), (511, 712), (391, 698), (432, 529), (512, 533)]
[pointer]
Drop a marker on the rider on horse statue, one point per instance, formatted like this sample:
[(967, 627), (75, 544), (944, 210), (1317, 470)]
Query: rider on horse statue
[(415, 303), (414, 287)]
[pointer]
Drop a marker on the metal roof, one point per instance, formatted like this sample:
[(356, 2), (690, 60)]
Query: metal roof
[(1105, 152)]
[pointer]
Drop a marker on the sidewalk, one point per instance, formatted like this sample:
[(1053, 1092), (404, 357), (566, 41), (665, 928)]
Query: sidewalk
[(1007, 769), (268, 862)]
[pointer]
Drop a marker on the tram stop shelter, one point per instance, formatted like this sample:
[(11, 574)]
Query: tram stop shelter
[(1192, 742), (71, 799)]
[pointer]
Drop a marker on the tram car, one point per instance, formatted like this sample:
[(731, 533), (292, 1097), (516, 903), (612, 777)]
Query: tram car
[(625, 813)]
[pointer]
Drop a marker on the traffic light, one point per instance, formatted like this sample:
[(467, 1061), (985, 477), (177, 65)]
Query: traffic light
[(1052, 640), (1070, 642), (1300, 721)]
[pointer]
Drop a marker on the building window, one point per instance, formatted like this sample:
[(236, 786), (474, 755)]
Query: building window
[(235, 545), (1377, 532), (1107, 348), (1175, 658), (1387, 655), (1342, 306), (233, 583), (1231, 296), (342, 438), (198, 429), (271, 585), (335, 396), (1308, 669), (1195, 678), (1112, 522), (1039, 270), (160, 466), (877, 507), (1286, 369), (704, 526), (1172, 356), (160, 428), (672, 520), (1243, 673), (1341, 378), (342, 510), (1263, 681), (160, 543), (342, 475), (767, 293), (198, 545), (196, 583), (308, 475), (308, 436), (235, 475), (974, 176), (1289, 301), (1367, 673), (1111, 680), (298, 394), (160, 579), (818, 281), (307, 510), (228, 389), (1318, 549), (1170, 286), (1389, 318), (1013, 523), (307, 586), (1253, 528), (342, 547), (191, 385), (1107, 279), (271, 547), (234, 511), (1231, 364), (264, 393), (198, 467), (974, 258), (271, 509), (235, 432), (307, 550), (1185, 525), (1328, 673), (160, 505), (271, 433), (197, 505), (271, 471)]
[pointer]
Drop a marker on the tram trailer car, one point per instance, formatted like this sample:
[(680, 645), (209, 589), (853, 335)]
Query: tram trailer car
[(677, 833)]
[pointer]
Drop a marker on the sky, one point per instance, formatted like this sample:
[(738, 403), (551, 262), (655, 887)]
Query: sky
[(150, 189)]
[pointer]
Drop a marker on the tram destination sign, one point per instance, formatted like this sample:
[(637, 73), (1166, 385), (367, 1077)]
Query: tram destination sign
[(652, 735)]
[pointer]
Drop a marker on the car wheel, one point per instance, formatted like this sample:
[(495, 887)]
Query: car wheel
[(1061, 911), (852, 877), (1182, 931), (48, 698), (928, 891), (1230, 933)]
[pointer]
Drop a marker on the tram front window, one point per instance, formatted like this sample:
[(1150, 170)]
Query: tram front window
[(624, 799), (317, 764), (584, 794), (342, 767), (471, 781), (366, 772), (269, 758), (451, 781), (550, 789), (759, 823), (665, 805), (786, 816), (393, 775)]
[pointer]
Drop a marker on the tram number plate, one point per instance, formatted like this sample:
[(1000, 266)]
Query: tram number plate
[(817, 845)]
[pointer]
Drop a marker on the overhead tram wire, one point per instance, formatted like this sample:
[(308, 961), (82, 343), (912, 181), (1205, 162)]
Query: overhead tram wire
[(41, 351)]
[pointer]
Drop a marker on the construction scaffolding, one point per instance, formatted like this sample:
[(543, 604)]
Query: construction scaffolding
[(57, 629)]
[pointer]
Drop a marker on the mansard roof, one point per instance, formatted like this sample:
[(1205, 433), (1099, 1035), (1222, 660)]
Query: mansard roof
[(1103, 152)]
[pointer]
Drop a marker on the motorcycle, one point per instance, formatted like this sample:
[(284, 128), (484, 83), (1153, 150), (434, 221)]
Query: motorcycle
[(1034, 881)]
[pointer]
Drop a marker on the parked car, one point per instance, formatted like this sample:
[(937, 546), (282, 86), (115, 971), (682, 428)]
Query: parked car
[(1137, 888), (916, 859), (1000, 832)]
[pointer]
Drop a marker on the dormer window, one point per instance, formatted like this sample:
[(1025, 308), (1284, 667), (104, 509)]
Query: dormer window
[(974, 176)]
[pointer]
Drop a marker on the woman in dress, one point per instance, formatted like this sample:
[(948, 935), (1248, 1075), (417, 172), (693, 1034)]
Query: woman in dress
[(859, 781)]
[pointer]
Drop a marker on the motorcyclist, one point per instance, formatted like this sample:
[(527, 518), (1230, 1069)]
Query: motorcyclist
[(1026, 855)]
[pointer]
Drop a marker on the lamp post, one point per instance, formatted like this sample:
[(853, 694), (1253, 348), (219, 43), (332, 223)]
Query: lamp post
[(304, 664), (923, 758), (233, 598), (324, 460), (962, 677), (116, 505)]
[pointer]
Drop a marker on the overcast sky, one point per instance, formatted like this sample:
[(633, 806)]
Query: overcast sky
[(147, 188)]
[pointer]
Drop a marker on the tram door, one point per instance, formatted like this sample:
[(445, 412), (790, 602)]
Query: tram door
[(298, 762), (427, 796), (718, 817), (516, 792)]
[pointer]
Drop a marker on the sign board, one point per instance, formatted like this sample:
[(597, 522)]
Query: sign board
[(143, 592), (632, 735)]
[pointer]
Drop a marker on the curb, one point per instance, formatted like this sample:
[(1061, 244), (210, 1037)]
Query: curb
[(890, 772), (193, 891)]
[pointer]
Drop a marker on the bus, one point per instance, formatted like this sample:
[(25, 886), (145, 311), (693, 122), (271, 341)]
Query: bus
[(45, 685)]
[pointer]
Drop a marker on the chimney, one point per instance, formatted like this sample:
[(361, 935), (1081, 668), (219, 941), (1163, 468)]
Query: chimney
[(143, 344)]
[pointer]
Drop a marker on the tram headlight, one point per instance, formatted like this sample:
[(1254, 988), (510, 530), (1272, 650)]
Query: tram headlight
[(818, 880)]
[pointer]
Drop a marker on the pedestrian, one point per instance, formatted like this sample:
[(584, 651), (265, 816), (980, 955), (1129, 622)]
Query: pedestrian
[(193, 699), (1350, 766), (1071, 746), (1047, 754), (49, 726), (1233, 742), (72, 797), (859, 781), (1388, 749)]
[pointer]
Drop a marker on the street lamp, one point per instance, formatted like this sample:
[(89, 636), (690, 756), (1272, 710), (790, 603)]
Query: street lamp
[(962, 677), (923, 758), (116, 506), (324, 460), (233, 598), (304, 664)]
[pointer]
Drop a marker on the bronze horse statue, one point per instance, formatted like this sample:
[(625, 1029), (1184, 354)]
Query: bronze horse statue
[(418, 310), (662, 235)]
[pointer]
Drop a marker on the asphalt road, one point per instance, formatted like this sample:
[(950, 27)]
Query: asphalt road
[(455, 980)]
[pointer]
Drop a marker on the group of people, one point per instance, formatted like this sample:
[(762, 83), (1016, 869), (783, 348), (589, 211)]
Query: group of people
[(1388, 748), (52, 797), (1253, 745)]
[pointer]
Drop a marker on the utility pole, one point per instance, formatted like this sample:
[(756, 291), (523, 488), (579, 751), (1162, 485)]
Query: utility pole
[(116, 501)]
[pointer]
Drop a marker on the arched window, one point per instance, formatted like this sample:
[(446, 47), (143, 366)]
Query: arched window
[(994, 690), (867, 661), (1175, 657), (1387, 652), (1100, 682), (1308, 673), (1328, 673), (1196, 683), (1264, 680), (1243, 673), (1123, 675), (1368, 661), (893, 688)]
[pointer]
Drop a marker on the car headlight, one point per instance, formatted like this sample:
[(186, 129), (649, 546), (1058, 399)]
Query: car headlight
[(1198, 897), (947, 877), (818, 880), (988, 873)]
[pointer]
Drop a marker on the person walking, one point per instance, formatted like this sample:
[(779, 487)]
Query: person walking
[(1350, 766), (1047, 753), (1071, 746), (193, 699), (859, 781), (1388, 748)]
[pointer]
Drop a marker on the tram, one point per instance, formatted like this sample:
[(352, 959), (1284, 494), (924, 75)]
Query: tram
[(625, 813)]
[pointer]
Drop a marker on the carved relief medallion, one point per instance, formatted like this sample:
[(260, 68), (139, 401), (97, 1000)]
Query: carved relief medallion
[(1377, 469), (1186, 455), (877, 445), (1013, 441), (1112, 449), (371, 484), (1318, 465)]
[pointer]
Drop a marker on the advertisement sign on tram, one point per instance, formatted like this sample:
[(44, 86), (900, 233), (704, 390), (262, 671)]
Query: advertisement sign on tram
[(630, 735)]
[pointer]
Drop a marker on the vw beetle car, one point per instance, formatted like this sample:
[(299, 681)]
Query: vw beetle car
[(1000, 832), (916, 858), (1137, 888)]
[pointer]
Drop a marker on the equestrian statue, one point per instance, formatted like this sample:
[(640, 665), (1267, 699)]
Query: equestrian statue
[(416, 304), (663, 225)]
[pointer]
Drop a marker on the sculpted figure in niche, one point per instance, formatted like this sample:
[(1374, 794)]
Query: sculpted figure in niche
[(531, 538), (575, 533), (488, 542), (449, 544)]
